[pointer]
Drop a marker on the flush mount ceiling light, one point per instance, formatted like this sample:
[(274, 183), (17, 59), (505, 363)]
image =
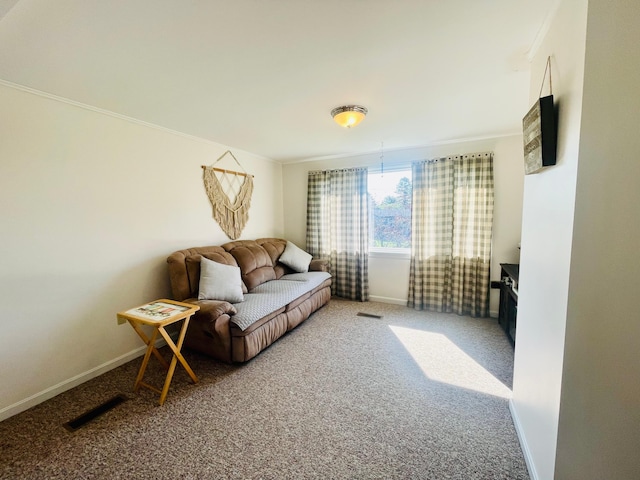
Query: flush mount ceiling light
[(349, 115)]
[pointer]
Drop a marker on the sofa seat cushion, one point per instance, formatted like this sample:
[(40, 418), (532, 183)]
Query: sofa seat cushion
[(274, 295), (313, 279), (238, 332), (302, 298)]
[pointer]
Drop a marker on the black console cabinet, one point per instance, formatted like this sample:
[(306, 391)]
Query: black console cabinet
[(509, 299)]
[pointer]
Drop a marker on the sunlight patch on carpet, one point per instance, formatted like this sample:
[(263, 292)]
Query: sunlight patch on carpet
[(443, 361)]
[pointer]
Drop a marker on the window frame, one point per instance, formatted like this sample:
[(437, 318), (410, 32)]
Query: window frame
[(389, 252)]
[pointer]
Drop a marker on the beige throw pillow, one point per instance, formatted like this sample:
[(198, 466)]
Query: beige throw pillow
[(219, 282), (295, 258)]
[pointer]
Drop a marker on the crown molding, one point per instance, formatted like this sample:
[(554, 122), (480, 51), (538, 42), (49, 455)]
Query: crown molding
[(542, 31), (119, 116)]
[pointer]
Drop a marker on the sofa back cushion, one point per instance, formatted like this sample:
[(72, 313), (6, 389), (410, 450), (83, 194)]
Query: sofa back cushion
[(184, 269), (256, 266), (275, 247)]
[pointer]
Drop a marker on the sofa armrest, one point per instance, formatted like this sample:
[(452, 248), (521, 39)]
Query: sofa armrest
[(319, 265), (213, 308)]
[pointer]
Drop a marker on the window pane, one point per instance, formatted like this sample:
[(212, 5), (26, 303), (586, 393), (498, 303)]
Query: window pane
[(390, 209)]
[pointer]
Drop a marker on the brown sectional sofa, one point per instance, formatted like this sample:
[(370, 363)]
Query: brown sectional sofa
[(276, 299)]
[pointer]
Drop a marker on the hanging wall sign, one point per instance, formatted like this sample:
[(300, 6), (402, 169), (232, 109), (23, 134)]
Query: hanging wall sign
[(540, 132), (230, 195)]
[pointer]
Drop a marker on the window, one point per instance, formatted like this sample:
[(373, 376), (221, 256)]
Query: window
[(390, 211)]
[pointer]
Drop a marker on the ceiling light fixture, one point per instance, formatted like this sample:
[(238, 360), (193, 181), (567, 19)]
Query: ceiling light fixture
[(349, 115)]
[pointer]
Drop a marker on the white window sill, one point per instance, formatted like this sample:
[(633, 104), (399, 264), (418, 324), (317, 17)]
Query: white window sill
[(397, 253)]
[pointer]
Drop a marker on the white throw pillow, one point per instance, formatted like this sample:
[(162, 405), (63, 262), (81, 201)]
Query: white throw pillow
[(219, 282), (295, 258)]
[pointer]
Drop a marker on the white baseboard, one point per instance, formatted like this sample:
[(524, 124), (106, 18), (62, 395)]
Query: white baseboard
[(400, 301), (523, 443), (394, 301), (72, 382)]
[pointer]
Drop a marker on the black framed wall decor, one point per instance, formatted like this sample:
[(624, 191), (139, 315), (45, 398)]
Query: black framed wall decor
[(539, 136)]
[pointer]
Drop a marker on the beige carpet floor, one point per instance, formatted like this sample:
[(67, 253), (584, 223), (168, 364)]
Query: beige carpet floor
[(413, 395)]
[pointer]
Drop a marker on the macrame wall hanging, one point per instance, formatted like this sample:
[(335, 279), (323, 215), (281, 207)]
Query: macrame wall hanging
[(230, 196)]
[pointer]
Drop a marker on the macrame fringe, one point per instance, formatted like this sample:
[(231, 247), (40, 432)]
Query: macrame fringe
[(232, 217)]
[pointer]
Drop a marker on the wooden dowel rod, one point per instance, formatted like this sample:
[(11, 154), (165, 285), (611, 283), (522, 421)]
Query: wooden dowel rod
[(226, 171)]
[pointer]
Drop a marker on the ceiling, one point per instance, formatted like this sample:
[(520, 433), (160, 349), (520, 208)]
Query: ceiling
[(263, 75)]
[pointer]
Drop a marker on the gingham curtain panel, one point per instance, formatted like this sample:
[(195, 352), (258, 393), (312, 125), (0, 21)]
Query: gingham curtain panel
[(452, 218), (337, 228)]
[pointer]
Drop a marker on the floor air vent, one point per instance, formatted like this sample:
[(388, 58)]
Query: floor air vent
[(85, 418), (370, 315)]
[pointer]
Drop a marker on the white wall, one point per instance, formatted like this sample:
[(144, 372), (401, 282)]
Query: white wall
[(389, 276), (92, 204), (599, 424), (547, 236)]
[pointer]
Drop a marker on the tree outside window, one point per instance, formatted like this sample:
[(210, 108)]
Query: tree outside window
[(390, 207)]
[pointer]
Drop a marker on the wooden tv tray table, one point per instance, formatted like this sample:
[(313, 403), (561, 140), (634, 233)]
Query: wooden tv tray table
[(159, 314)]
